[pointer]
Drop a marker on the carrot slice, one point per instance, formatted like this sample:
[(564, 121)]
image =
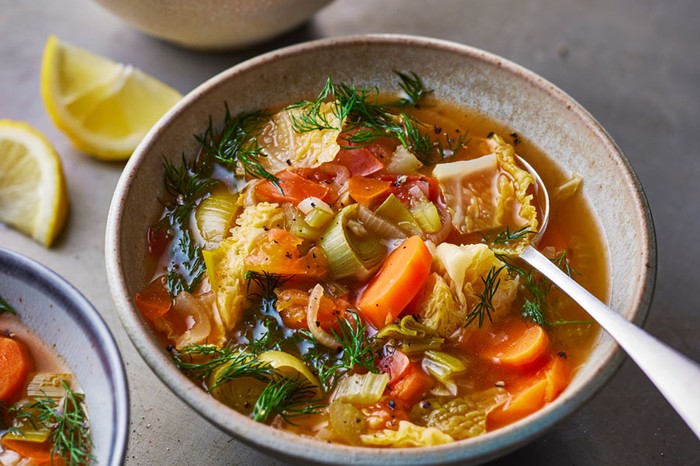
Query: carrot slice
[(525, 401), (525, 344), (295, 188), (15, 364), (365, 190), (40, 453), (558, 374), (397, 283), (154, 300)]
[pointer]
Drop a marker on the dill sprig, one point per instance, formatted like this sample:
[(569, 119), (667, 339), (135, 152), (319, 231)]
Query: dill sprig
[(267, 282), (186, 273), (539, 287), (412, 85), (199, 361), (357, 348), (484, 307), (506, 236), (237, 142), (287, 398), (67, 421), (5, 307), (311, 118), (186, 184), (275, 336)]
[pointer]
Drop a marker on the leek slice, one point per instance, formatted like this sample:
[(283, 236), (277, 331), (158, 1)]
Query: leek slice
[(297, 225), (393, 210), (361, 389), (318, 218), (348, 254), (444, 367), (402, 162), (214, 216), (413, 336)]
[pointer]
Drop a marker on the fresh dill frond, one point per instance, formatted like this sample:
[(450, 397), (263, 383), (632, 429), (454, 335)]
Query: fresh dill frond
[(186, 271), (267, 282), (199, 361), (412, 85), (506, 236), (186, 184), (533, 311), (237, 142), (311, 118), (287, 398), (484, 308), (67, 422), (357, 348), (5, 307), (562, 262)]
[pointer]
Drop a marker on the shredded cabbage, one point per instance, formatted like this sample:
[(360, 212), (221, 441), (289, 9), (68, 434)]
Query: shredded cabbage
[(437, 307), (228, 259), (285, 147), (465, 265), (459, 417), (408, 435), (489, 192)]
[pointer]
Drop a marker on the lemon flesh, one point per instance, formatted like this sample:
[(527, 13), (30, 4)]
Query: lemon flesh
[(105, 108), (33, 196)]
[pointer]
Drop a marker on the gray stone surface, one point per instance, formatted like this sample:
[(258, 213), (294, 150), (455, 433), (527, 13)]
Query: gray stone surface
[(634, 64)]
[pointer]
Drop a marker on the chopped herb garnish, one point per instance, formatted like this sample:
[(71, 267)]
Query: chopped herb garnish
[(186, 270), (412, 85), (287, 398), (484, 307), (5, 307), (506, 236), (237, 142), (199, 361), (67, 421)]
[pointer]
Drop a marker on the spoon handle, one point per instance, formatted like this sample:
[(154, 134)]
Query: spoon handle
[(676, 376)]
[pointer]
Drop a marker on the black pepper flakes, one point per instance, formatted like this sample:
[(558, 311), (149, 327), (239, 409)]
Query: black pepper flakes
[(562, 354)]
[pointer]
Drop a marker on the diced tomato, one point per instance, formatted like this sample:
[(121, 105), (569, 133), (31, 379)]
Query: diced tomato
[(365, 190), (158, 239), (401, 186), (360, 161), (292, 304), (394, 365), (154, 300), (277, 251), (413, 385), (295, 188)]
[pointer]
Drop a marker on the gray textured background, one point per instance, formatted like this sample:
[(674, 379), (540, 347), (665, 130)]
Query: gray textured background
[(634, 64)]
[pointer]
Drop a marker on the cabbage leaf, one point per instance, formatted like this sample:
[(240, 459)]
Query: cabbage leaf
[(437, 308), (285, 147), (408, 435), (489, 192), (226, 267), (464, 267)]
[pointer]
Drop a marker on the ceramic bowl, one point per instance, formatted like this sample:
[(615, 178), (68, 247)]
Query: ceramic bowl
[(521, 100), (214, 24), (57, 313)]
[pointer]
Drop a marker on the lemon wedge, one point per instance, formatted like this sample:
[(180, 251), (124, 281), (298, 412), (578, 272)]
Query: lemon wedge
[(33, 196), (105, 108)]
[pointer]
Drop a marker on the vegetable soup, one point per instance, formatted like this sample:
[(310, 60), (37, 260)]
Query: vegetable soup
[(43, 417), (346, 268)]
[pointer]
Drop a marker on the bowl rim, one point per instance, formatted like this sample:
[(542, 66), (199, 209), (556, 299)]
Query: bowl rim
[(59, 290), (287, 444)]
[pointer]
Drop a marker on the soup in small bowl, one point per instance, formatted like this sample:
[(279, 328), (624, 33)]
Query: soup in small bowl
[(333, 254)]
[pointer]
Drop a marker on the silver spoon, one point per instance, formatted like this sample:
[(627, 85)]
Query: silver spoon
[(676, 376)]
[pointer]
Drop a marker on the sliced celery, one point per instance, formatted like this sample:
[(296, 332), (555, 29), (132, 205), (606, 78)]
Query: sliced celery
[(403, 162), (297, 225), (427, 217), (361, 389)]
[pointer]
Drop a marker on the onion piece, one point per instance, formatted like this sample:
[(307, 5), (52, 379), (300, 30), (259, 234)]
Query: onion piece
[(193, 312), (323, 337), (446, 219)]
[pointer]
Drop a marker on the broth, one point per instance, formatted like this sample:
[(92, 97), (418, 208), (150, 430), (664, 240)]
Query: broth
[(371, 295)]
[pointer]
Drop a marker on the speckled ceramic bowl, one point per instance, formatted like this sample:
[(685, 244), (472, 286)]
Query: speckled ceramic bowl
[(503, 90), (214, 24), (50, 308)]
